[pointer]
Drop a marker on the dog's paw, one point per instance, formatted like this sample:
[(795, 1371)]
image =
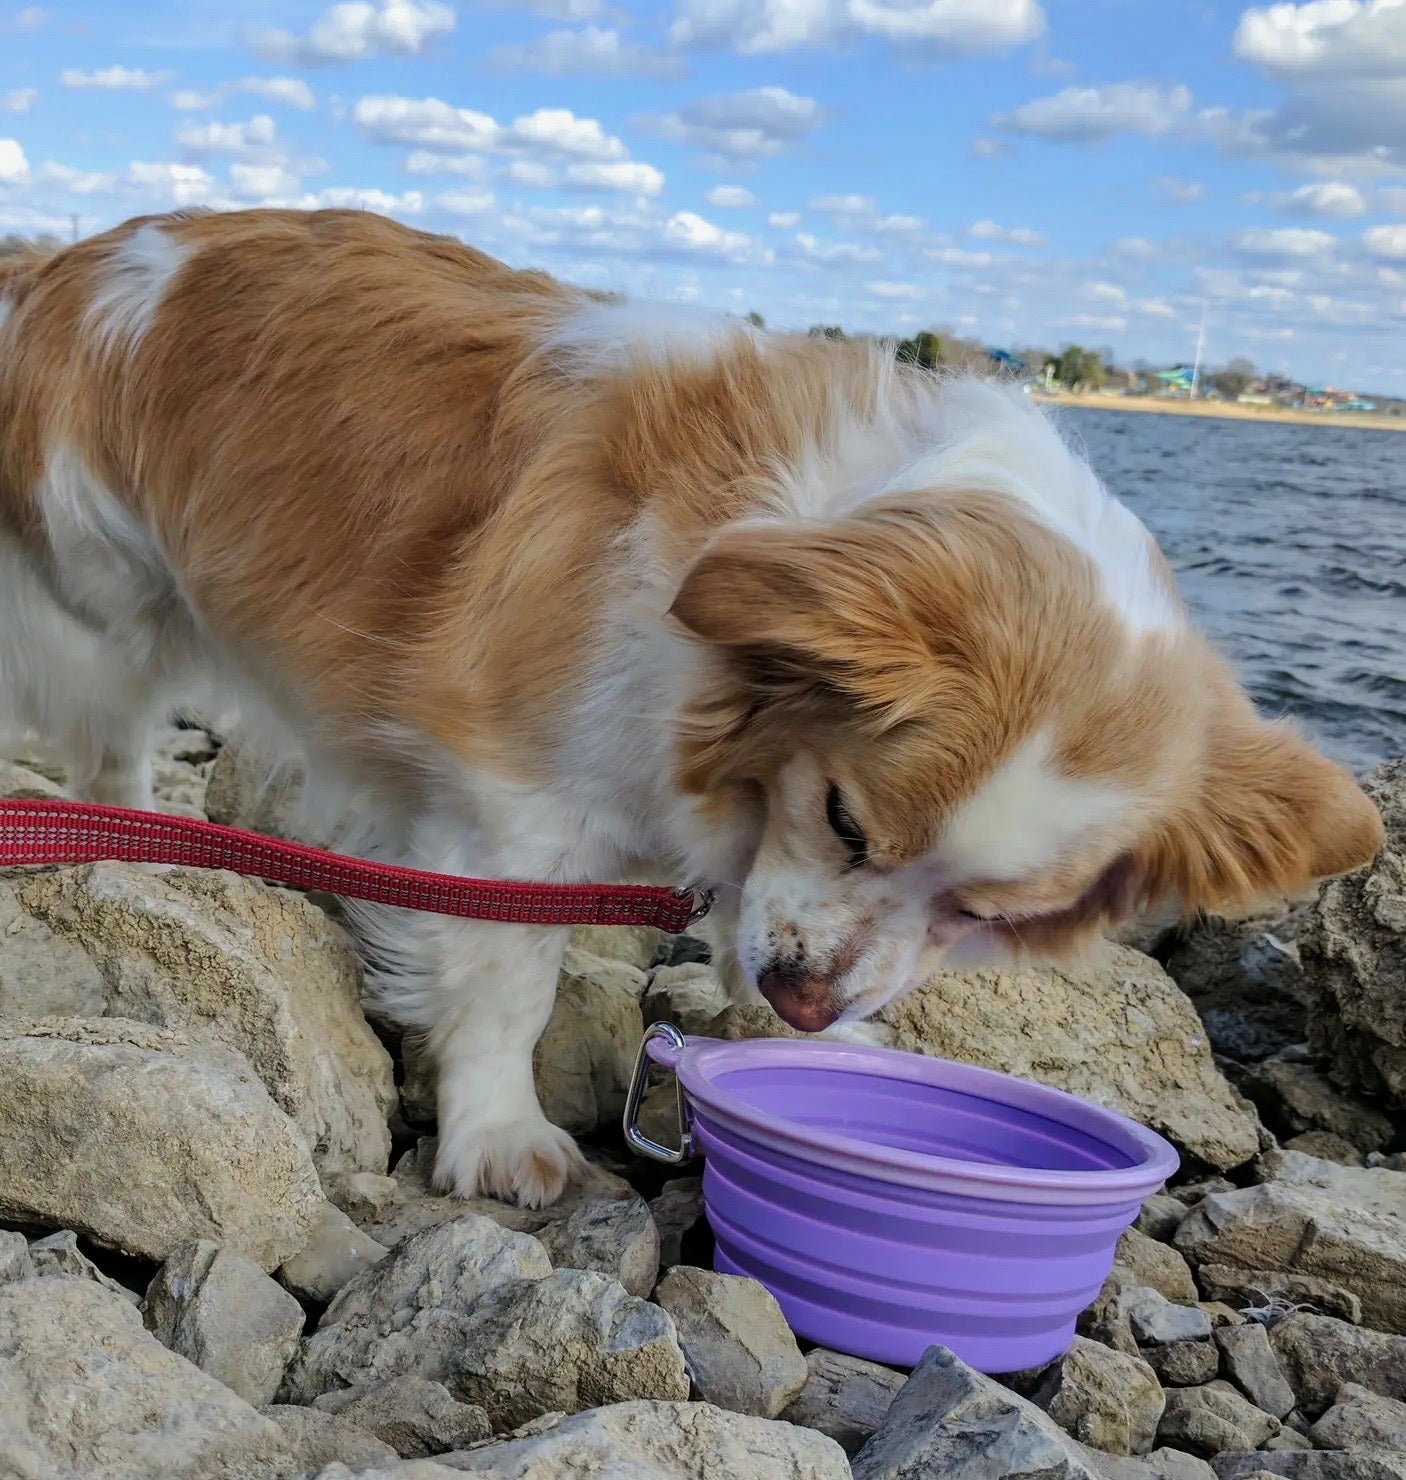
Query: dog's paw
[(527, 1162)]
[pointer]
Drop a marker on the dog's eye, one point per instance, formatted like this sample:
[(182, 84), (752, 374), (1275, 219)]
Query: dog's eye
[(973, 917), (845, 828)]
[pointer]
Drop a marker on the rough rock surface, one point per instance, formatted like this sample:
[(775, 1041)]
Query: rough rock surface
[(1151, 1263), (260, 970), (180, 1142), (15, 1263), (316, 1439), (336, 1252), (1295, 1098), (59, 1254), (1353, 948), (415, 1416), (1103, 1398), (1263, 1288), (616, 1237), (689, 996), (1343, 1224), (86, 1390), (1361, 1464), (1318, 1355), (1118, 1032), (844, 1397), (740, 1352), (1362, 1419), (950, 1421), (1251, 1365), (1184, 1364), (220, 1311), (1213, 1419), (677, 1214), (661, 1441)]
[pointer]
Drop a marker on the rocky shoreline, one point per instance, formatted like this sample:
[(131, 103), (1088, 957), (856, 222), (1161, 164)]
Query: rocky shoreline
[(220, 1255)]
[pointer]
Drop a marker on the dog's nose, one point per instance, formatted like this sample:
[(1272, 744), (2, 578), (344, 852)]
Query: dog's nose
[(807, 1003)]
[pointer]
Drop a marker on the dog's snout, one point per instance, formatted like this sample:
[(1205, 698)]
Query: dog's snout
[(807, 1002)]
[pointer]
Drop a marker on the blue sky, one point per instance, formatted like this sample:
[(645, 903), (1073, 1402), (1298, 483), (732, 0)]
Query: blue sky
[(1025, 171)]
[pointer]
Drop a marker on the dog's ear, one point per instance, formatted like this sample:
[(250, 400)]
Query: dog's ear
[(1271, 816)]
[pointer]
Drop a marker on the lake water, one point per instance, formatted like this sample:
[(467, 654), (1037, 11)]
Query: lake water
[(1290, 546)]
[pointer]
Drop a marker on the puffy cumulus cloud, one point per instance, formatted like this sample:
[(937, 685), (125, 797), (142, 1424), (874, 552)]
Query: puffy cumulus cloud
[(1336, 199), (76, 181), (1179, 192), (742, 126), (895, 292), (14, 166), (530, 172), (628, 175), (1284, 241), (1387, 242), (465, 202), (427, 162), (1106, 292), (290, 90), (730, 197), (170, 183), (18, 101), (1089, 115), (958, 257), (843, 206), (357, 29), (254, 135), (692, 233), (560, 131), (115, 79), (594, 51), (829, 254), (1338, 39), (1019, 236), (433, 125), (1135, 248), (942, 28), (784, 220), (262, 181), (1153, 308)]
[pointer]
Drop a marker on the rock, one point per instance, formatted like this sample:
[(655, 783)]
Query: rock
[(950, 1421), (677, 1213), (1251, 1365), (260, 970), (59, 1254), (1160, 1215), (1118, 1032), (740, 1352), (638, 946), (1106, 1319), (1186, 1364), (1353, 948), (1358, 1465), (220, 1311), (1287, 1438), (336, 1251), (246, 789), (1362, 1419), (317, 1439), (1269, 1289), (1191, 1193), (1327, 1147), (573, 1340), (42, 974), (1318, 1355), (584, 1058), (413, 1311), (1246, 981), (180, 1142), (415, 1416), (1156, 1265), (362, 1196), (181, 761), (85, 1390), (1343, 1224), (689, 996), (1222, 1314), (1155, 1321), (616, 1237), (21, 783), (1212, 1419), (14, 1257), (1295, 1098), (419, 1090), (661, 1441), (1395, 1162), (844, 1397), (1103, 1398)]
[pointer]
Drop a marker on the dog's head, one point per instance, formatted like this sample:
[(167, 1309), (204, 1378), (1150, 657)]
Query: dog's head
[(964, 726)]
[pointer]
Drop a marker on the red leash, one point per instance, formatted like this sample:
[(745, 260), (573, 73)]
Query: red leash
[(50, 832)]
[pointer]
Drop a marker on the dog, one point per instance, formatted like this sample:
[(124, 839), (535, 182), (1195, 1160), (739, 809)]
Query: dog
[(560, 586)]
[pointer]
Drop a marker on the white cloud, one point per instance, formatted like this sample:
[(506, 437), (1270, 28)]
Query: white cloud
[(426, 122), (427, 162), (897, 225), (1021, 236), (1088, 115), (181, 184), (989, 148), (358, 29), (564, 10), (1284, 241), (685, 231), (755, 124), (254, 134), (1181, 192), (938, 27), (77, 182), (19, 100), (1109, 323), (958, 257), (1106, 292), (290, 90), (783, 220), (1154, 308), (530, 172), (355, 198), (1386, 241), (624, 174), (465, 202), (843, 205), (896, 292), (1337, 39), (187, 100), (730, 197), (561, 131), (816, 250), (14, 167), (592, 52), (259, 181), (1335, 199), (115, 79)]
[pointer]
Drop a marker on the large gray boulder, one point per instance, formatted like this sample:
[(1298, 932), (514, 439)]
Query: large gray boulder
[(1319, 1356)]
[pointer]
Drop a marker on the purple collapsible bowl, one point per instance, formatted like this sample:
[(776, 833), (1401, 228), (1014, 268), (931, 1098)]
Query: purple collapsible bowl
[(891, 1202)]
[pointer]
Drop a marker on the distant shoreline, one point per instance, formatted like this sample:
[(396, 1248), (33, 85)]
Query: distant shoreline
[(1229, 411)]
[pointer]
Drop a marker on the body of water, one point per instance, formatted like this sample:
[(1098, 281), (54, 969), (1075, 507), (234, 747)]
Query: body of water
[(1289, 543)]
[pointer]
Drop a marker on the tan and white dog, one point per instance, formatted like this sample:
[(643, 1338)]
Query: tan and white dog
[(560, 586)]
